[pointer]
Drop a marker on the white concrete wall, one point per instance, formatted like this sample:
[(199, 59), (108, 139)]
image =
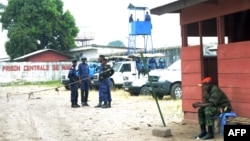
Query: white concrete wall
[(32, 71)]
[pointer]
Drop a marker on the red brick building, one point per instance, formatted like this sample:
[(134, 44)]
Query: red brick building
[(228, 21), (44, 55)]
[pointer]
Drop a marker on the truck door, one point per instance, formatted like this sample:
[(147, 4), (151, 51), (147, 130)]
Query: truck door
[(125, 71), (129, 70), (120, 68)]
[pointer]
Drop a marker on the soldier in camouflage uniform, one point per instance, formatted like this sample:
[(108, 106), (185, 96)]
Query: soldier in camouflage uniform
[(214, 102)]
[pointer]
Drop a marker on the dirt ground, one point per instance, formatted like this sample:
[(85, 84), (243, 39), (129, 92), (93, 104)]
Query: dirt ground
[(47, 116)]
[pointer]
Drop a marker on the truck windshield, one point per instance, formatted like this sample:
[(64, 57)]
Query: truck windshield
[(117, 66)]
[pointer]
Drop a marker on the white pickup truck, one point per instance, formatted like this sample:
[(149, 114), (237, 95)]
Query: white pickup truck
[(123, 68), (126, 74), (167, 81)]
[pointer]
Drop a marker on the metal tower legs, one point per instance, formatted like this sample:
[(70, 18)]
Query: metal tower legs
[(132, 44), (146, 43)]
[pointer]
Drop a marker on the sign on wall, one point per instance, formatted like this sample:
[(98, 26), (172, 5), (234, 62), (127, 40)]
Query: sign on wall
[(32, 71)]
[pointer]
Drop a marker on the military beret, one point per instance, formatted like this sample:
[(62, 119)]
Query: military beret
[(206, 80)]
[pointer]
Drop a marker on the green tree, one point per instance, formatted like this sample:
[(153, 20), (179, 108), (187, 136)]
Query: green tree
[(2, 6), (116, 43), (37, 24)]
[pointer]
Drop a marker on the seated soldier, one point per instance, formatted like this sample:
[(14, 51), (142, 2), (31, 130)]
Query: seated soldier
[(214, 102)]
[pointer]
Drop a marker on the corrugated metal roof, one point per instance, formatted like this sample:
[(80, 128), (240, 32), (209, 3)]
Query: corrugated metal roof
[(37, 52), (82, 48), (132, 7), (175, 7)]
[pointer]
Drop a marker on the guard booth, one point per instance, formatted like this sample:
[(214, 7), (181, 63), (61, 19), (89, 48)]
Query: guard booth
[(227, 21), (139, 30)]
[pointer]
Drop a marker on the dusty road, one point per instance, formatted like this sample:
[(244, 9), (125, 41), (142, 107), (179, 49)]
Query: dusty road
[(47, 116)]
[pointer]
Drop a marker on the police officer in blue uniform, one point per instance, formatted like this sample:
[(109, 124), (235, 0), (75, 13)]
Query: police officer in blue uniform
[(161, 63), (84, 77), (152, 64), (139, 66), (73, 77), (105, 83), (101, 57)]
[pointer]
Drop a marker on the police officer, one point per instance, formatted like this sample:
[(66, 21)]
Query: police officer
[(84, 77), (161, 63), (138, 66), (152, 64), (73, 77), (104, 84), (101, 57), (214, 102)]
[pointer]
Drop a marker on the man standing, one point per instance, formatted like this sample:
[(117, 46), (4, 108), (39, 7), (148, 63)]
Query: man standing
[(214, 102), (72, 75), (147, 17), (161, 63), (101, 57), (131, 18), (83, 69), (104, 87)]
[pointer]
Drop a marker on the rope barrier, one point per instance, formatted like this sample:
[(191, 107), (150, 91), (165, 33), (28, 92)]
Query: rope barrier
[(56, 89)]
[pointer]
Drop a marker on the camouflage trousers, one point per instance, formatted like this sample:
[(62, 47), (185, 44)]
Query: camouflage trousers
[(206, 115)]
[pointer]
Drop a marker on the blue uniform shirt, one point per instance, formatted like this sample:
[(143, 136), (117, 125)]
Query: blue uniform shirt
[(72, 75), (83, 70)]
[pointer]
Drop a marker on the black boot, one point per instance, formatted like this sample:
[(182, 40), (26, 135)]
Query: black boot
[(109, 104), (85, 104), (82, 98), (203, 131), (77, 104), (73, 105), (99, 105), (105, 105), (210, 134), (85, 100)]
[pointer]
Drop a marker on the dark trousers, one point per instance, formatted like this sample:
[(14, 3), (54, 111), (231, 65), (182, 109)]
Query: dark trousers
[(84, 96), (104, 91), (109, 96), (74, 93)]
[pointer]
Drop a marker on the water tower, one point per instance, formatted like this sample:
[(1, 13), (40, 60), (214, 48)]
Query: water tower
[(139, 26)]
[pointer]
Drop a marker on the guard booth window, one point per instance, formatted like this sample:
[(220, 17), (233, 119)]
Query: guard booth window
[(126, 68)]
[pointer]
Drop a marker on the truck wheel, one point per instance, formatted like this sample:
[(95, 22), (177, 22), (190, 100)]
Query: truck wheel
[(144, 90), (176, 92), (159, 96), (67, 87), (134, 93)]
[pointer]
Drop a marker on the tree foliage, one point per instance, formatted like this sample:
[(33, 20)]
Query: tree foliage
[(116, 43), (2, 6), (37, 24)]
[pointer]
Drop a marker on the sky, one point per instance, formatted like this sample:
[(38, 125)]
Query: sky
[(107, 20)]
